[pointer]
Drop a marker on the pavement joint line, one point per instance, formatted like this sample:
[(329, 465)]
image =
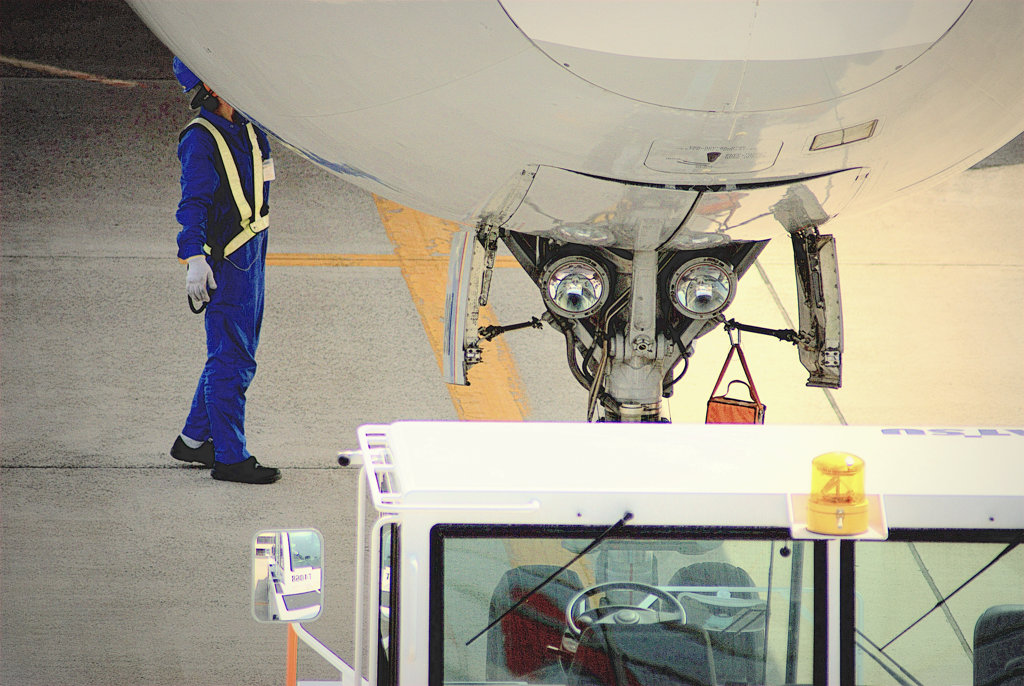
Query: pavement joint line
[(68, 73)]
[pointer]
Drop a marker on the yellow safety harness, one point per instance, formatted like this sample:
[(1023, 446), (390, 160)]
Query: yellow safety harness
[(250, 223)]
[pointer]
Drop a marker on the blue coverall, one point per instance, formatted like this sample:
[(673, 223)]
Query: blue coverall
[(208, 214)]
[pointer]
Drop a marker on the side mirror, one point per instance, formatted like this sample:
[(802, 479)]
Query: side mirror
[(287, 575)]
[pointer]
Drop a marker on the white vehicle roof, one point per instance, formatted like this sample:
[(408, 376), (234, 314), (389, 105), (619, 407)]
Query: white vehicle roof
[(730, 475)]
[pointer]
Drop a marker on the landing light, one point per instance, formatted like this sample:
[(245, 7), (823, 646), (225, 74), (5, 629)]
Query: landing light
[(702, 288), (575, 286), (838, 504)]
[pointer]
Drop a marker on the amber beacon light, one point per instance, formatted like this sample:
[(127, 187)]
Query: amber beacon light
[(838, 504)]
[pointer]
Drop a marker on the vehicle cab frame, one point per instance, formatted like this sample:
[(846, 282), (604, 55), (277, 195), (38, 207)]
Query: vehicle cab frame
[(608, 553)]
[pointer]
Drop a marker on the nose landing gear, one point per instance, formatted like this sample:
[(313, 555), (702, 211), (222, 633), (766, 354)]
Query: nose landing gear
[(630, 317)]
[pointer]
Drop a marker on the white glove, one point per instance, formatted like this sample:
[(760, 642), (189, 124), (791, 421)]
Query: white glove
[(199, 279)]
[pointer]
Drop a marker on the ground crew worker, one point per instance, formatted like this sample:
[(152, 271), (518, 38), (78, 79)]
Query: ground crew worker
[(226, 171)]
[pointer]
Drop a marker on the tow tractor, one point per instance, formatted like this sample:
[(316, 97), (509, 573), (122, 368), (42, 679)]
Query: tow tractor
[(642, 555)]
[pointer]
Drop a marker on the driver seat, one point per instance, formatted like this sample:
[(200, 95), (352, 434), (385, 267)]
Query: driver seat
[(737, 632), (663, 654), (523, 646)]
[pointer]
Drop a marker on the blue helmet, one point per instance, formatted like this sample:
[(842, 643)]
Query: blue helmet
[(185, 77)]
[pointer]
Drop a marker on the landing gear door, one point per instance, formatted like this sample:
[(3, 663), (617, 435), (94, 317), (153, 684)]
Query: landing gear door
[(462, 307), (820, 307)]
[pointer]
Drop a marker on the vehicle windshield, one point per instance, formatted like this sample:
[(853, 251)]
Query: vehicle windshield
[(939, 613), (665, 608)]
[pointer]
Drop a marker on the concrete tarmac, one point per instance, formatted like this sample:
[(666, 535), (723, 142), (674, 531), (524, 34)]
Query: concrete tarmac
[(120, 566)]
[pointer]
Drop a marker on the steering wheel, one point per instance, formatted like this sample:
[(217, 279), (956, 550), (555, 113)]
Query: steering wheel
[(622, 614)]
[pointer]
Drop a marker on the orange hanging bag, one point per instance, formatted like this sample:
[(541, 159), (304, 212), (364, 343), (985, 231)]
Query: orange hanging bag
[(725, 410)]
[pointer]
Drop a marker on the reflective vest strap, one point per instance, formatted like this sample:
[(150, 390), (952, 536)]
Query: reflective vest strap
[(248, 225), (230, 168)]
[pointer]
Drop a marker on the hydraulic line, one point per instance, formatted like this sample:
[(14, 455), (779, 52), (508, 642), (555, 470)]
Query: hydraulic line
[(570, 354), (682, 354)]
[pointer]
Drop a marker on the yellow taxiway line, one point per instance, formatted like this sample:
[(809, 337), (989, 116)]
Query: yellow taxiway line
[(421, 252), (301, 259)]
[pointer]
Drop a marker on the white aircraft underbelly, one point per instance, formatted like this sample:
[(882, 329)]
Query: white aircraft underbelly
[(453, 108)]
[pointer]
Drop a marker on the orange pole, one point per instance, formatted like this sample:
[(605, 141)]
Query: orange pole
[(292, 667)]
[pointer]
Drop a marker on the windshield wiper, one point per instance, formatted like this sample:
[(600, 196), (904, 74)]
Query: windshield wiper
[(593, 544), (942, 601)]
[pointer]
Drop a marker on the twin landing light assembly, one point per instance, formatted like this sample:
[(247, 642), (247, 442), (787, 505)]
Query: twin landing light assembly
[(576, 286)]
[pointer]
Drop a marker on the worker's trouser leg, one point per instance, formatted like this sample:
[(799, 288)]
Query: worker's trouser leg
[(233, 320)]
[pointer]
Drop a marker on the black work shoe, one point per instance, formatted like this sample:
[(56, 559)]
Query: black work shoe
[(203, 454), (248, 472)]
